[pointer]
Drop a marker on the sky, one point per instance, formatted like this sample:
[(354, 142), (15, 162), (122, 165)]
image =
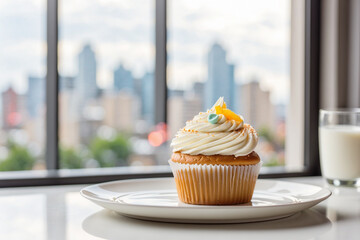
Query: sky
[(255, 34), (22, 42)]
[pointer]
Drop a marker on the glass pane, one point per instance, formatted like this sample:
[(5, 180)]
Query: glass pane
[(106, 88), (236, 49), (22, 84)]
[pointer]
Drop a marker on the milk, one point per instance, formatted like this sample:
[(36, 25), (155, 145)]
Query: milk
[(340, 152)]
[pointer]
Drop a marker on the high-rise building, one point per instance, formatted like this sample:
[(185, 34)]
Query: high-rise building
[(66, 83), (85, 85), (148, 97), (175, 93), (35, 95), (69, 133), (181, 109), (91, 119), (10, 107), (124, 119), (198, 90), (123, 79), (256, 106), (137, 86), (220, 80)]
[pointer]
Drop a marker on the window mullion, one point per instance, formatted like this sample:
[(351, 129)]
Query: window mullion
[(160, 61), (51, 155)]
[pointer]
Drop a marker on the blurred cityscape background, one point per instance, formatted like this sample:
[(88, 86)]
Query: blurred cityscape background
[(106, 117)]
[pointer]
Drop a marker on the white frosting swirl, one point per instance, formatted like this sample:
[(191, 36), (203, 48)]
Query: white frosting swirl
[(226, 137)]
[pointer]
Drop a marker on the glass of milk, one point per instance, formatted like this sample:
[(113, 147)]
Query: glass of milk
[(339, 136)]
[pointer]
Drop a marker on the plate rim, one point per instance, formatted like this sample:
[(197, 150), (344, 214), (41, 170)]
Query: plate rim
[(327, 194)]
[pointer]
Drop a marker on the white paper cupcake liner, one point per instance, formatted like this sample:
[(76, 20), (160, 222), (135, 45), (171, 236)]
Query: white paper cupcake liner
[(215, 184)]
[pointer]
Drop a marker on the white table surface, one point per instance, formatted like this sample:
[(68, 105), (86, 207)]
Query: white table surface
[(59, 212)]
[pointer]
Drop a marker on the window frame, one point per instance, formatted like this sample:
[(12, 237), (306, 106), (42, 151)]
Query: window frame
[(55, 176), (312, 86)]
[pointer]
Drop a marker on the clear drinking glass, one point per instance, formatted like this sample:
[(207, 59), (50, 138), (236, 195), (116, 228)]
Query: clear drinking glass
[(339, 136)]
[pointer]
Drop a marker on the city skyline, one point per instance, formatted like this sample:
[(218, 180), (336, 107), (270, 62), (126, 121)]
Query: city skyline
[(87, 74), (220, 78), (220, 83), (131, 102)]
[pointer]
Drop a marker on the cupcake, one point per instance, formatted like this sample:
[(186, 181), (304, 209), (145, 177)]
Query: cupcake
[(213, 160)]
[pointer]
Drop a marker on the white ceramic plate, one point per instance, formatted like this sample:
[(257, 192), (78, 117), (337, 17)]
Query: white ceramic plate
[(156, 199)]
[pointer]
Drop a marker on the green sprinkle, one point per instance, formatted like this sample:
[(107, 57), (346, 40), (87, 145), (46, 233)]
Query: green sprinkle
[(213, 118)]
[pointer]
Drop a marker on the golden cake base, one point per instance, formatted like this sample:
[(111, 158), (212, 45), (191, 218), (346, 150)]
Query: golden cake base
[(207, 184)]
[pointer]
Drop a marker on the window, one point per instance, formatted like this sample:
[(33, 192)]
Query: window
[(109, 68), (22, 85), (106, 83), (236, 49)]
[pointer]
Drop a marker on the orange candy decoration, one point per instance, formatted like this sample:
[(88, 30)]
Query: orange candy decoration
[(230, 115), (218, 110)]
